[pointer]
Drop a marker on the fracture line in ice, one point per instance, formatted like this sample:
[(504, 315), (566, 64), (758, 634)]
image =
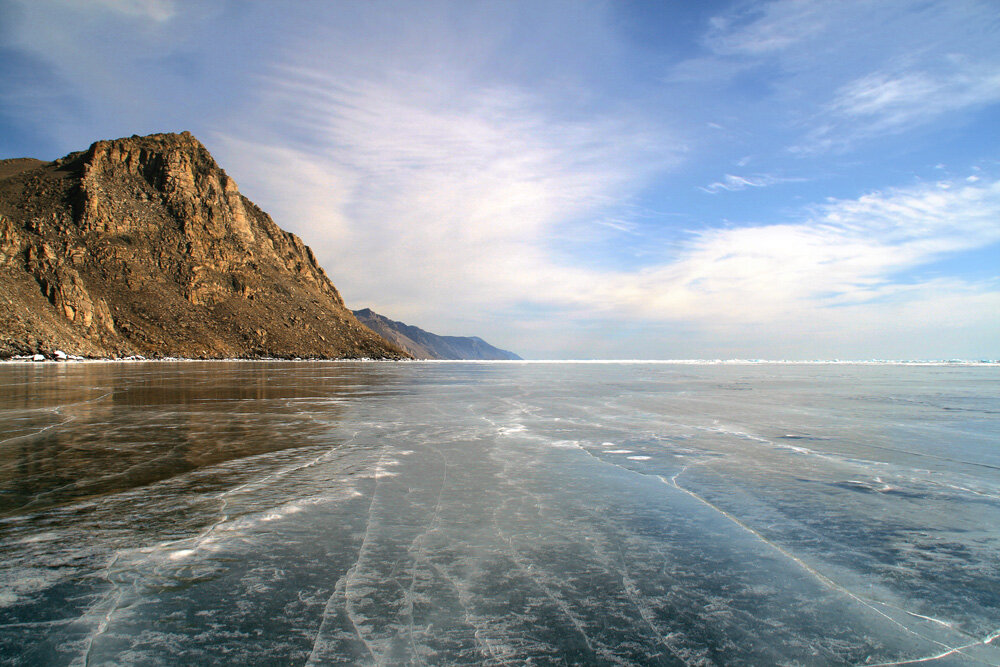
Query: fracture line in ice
[(117, 474), (39, 624), (485, 641), (794, 448), (59, 411), (115, 596), (843, 459), (344, 583), (958, 649), (483, 644), (202, 538), (964, 489), (635, 595), (908, 612), (631, 590), (223, 498), (755, 438), (421, 550), (66, 420), (936, 457), (526, 569), (819, 576), (289, 469)]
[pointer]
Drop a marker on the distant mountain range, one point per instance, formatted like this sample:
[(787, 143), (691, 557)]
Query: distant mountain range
[(425, 345), (144, 246)]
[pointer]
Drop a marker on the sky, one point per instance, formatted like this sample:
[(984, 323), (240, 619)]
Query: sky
[(786, 179)]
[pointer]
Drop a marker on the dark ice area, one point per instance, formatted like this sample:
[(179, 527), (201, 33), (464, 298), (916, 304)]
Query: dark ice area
[(499, 513)]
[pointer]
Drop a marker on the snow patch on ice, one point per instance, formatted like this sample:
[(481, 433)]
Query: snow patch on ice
[(565, 444)]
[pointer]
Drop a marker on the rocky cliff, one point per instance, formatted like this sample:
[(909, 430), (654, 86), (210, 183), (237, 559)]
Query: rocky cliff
[(426, 345), (144, 246)]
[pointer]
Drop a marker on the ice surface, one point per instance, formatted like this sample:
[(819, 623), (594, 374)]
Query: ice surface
[(320, 513)]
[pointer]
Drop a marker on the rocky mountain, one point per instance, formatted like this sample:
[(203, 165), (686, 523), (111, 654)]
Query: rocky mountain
[(425, 345), (144, 246)]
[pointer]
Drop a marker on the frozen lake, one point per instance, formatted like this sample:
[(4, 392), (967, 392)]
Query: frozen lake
[(499, 513)]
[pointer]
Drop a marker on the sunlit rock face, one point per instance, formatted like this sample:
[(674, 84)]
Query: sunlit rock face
[(145, 246)]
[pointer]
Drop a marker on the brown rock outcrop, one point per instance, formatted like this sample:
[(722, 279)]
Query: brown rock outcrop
[(144, 246)]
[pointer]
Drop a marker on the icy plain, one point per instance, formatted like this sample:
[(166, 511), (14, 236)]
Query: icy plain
[(499, 513)]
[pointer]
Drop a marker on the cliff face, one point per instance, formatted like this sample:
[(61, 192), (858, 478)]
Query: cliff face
[(145, 246), (426, 345)]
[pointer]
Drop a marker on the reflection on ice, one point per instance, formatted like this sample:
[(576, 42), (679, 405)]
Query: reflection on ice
[(499, 513)]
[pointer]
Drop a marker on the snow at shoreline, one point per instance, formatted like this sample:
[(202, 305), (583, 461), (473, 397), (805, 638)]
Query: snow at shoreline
[(690, 362)]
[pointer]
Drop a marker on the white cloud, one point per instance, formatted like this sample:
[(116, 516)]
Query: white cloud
[(442, 201), (766, 28), (893, 102), (154, 10), (781, 32), (733, 183), (846, 252), (919, 95), (845, 282), (439, 173), (442, 196), (434, 207), (111, 68), (846, 71)]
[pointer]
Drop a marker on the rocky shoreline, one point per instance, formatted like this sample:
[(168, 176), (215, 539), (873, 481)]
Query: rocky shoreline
[(59, 357)]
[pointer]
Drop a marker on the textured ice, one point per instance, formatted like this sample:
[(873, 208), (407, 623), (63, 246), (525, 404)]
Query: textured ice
[(322, 513)]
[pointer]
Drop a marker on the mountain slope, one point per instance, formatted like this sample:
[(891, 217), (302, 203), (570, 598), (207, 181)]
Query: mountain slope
[(425, 345), (144, 245)]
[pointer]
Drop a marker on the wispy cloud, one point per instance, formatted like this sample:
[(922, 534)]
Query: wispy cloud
[(733, 183), (454, 195), (893, 102), (157, 10), (764, 28), (849, 277), (844, 252), (457, 206), (459, 192), (841, 72), (481, 164)]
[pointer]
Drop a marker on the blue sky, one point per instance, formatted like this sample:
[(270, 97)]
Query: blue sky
[(790, 179)]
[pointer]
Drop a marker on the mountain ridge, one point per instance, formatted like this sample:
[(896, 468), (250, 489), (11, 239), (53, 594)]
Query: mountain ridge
[(145, 246), (423, 344)]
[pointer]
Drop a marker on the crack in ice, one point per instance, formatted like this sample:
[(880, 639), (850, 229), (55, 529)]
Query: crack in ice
[(347, 579), (526, 570), (420, 554), (635, 596), (822, 578), (102, 626), (59, 411), (958, 649)]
